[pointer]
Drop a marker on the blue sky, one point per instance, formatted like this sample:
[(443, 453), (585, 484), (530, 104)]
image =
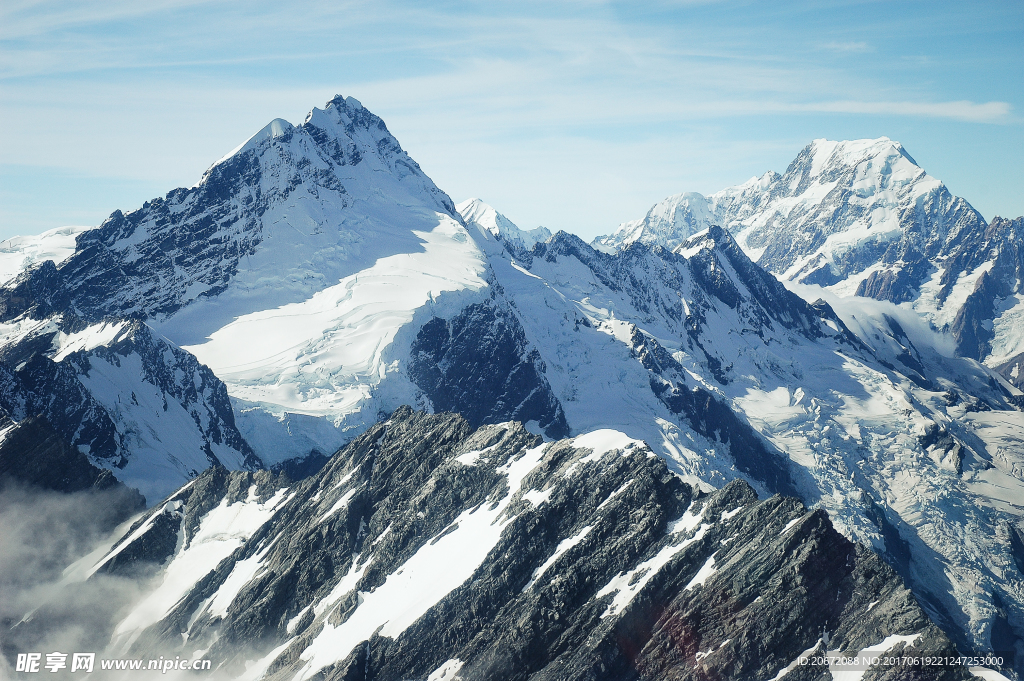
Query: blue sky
[(574, 115)]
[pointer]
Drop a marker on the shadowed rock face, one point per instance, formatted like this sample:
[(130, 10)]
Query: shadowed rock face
[(34, 454), (136, 395), (578, 559), (480, 365), (999, 248)]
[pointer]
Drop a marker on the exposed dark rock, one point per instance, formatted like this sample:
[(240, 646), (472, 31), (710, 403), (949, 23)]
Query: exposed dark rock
[(895, 285), (480, 365), (300, 469), (714, 420), (735, 588), (33, 453)]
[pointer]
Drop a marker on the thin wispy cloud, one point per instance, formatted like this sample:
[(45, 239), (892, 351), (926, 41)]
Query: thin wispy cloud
[(89, 84), (986, 112), (851, 47)]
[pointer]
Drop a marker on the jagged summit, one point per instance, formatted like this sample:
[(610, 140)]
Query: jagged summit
[(487, 220), (773, 214), (292, 210), (667, 223)]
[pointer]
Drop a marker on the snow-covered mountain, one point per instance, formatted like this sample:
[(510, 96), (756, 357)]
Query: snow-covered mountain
[(121, 395), (863, 218), (666, 224), (315, 280), (727, 374), (841, 212), (478, 214), (428, 550), (287, 270)]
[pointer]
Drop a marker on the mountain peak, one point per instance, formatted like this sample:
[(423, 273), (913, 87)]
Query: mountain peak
[(667, 223), (489, 221), (828, 155), (274, 129), (839, 206)]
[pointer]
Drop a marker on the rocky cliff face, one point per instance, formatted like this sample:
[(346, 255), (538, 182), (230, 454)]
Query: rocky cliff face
[(428, 549), (480, 365), (32, 453), (127, 400)]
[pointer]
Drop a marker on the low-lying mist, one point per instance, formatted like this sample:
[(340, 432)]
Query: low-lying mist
[(46, 604)]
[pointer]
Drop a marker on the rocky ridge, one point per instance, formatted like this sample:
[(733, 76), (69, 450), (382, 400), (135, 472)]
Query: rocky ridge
[(128, 400), (427, 549)]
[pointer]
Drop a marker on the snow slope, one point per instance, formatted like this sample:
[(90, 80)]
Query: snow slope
[(19, 253), (875, 416)]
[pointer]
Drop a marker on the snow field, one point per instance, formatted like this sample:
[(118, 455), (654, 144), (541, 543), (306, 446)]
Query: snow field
[(322, 356), (220, 532), (19, 253)]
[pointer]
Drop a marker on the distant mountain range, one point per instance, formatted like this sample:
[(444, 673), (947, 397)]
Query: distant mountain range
[(315, 299), (862, 218)]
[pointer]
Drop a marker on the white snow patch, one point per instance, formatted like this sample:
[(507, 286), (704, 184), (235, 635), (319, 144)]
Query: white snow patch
[(221, 531), (428, 576), (447, 671), (729, 515), (687, 521), (536, 497), (600, 442), (627, 586), (854, 672), (339, 504), (241, 574), (562, 547), (88, 338), (703, 574), (294, 622), (987, 674), (616, 493), (345, 478), (469, 458)]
